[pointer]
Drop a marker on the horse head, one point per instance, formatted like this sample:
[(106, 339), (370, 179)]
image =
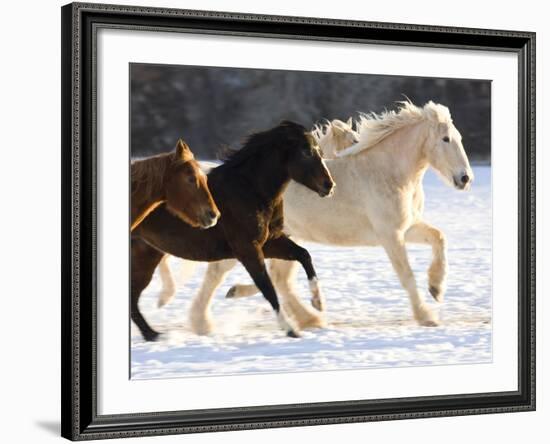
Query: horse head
[(334, 136), (187, 193), (444, 148), (305, 162)]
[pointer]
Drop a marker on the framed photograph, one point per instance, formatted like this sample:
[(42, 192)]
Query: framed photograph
[(282, 221)]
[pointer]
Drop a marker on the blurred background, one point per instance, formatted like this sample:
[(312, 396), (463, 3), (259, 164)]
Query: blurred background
[(211, 107)]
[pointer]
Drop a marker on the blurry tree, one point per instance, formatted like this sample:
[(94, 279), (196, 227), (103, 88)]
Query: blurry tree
[(211, 107)]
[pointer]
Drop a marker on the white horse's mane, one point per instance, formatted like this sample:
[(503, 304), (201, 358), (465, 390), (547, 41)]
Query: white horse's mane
[(320, 130), (373, 128)]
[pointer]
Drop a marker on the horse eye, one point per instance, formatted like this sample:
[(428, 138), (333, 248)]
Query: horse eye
[(191, 179), (307, 153), (446, 139)]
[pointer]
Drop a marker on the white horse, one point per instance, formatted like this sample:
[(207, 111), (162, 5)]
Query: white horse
[(379, 200)]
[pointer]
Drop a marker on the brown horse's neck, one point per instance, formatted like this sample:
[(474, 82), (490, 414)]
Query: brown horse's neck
[(267, 174), (148, 186)]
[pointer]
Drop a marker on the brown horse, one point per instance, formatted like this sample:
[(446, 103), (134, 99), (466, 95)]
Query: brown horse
[(248, 188), (174, 178)]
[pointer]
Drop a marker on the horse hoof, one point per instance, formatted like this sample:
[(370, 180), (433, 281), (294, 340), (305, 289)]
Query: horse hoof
[(231, 293), (164, 298), (426, 317), (317, 304), (151, 336), (202, 326), (312, 321), (293, 334), (436, 293), (430, 323)]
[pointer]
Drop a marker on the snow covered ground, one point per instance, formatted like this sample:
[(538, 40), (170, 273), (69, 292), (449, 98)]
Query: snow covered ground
[(370, 320)]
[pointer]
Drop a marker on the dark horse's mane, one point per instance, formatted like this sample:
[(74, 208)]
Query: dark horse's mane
[(257, 142)]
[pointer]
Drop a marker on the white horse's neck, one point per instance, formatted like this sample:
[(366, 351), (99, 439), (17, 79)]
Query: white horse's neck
[(400, 155)]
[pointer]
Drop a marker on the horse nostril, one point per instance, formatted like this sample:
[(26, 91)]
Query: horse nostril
[(212, 214), (465, 179), (327, 184)]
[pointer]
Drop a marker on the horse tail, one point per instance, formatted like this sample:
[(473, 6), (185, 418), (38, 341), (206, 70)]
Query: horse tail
[(169, 286)]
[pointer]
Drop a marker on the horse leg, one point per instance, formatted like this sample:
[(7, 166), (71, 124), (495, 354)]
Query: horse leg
[(253, 261), (143, 263), (168, 290), (199, 316), (394, 245), (424, 233), (242, 291), (283, 247), (283, 274)]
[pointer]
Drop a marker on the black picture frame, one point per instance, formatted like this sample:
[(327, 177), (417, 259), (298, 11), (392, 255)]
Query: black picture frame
[(80, 22)]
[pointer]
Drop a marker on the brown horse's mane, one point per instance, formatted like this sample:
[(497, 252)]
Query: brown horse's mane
[(148, 174)]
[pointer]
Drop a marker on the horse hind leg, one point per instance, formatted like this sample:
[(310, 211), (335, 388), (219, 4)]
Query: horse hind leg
[(283, 273), (144, 261), (437, 273), (168, 284), (242, 291)]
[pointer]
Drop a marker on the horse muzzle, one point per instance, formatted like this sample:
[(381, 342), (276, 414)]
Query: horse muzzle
[(209, 219), (463, 180), (327, 189)]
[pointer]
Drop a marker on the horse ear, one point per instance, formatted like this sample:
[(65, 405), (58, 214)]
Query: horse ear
[(336, 126), (349, 121), (183, 151)]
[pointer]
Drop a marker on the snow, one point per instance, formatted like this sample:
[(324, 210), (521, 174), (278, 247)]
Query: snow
[(370, 320)]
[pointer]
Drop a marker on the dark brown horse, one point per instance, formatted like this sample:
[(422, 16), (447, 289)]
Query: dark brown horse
[(248, 188), (174, 178)]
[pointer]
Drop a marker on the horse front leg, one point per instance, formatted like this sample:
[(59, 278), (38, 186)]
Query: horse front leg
[(424, 233), (253, 261), (283, 274), (284, 248), (394, 245), (199, 314)]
